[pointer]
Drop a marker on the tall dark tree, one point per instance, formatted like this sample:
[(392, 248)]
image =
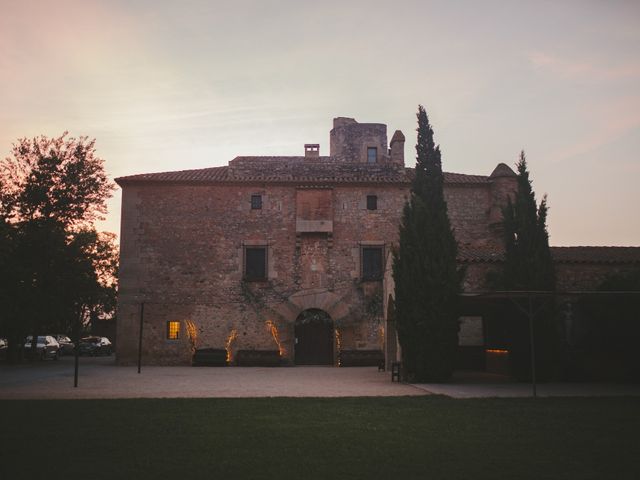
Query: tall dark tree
[(51, 192), (529, 267), (427, 281)]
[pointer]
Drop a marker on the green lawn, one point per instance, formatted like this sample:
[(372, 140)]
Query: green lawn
[(403, 438)]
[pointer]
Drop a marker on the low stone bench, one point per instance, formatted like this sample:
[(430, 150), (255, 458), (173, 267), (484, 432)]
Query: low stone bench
[(361, 358), (209, 357), (258, 358)]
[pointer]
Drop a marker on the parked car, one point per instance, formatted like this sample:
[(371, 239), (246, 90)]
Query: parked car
[(95, 346), (66, 345), (46, 347)]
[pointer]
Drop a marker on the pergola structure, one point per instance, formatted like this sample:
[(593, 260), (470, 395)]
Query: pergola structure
[(527, 302)]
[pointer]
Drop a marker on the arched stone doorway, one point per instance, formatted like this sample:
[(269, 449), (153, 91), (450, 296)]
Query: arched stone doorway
[(314, 338)]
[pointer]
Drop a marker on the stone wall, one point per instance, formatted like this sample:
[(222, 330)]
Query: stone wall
[(468, 208), (349, 140), (184, 236), (585, 276), (570, 276), (182, 255)]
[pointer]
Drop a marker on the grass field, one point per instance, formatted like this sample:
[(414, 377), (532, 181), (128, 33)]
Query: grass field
[(373, 438)]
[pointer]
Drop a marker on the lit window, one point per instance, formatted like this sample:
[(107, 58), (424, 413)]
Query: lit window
[(173, 330), (372, 155), (371, 263), (255, 263), (256, 202), (372, 202)]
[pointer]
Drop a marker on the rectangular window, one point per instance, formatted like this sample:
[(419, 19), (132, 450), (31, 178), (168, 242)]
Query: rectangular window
[(372, 263), (372, 155), (173, 330), (372, 202), (256, 202), (255, 263)]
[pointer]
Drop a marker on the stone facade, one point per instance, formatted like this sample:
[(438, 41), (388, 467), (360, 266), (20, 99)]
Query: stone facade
[(270, 253), (185, 237)]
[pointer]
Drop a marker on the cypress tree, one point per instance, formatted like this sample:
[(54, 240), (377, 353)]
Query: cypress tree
[(528, 264), (529, 267), (427, 281)]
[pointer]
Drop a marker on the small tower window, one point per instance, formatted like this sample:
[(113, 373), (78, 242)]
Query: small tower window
[(256, 202), (372, 155), (372, 202)]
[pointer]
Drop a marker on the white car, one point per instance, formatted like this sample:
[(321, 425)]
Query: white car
[(47, 347), (95, 346)]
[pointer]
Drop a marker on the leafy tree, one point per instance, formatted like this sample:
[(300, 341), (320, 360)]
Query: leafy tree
[(96, 260), (54, 262), (529, 266), (59, 179), (427, 281), (9, 283)]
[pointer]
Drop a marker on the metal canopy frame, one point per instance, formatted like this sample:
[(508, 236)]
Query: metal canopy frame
[(546, 295)]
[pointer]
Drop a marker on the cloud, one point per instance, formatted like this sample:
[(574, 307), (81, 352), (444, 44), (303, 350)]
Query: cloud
[(573, 68), (613, 120)]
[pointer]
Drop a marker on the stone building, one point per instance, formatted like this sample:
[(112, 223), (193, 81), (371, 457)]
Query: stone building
[(288, 254)]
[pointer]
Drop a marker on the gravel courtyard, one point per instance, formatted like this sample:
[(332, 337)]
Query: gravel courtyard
[(100, 378)]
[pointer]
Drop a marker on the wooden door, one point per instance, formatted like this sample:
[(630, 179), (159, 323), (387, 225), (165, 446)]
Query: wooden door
[(314, 339)]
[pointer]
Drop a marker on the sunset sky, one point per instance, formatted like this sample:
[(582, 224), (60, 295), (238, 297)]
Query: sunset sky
[(172, 85)]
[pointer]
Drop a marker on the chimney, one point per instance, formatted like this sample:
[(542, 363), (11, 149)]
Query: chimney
[(397, 148), (311, 150)]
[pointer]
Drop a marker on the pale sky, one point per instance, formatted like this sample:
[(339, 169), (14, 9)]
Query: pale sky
[(172, 85)]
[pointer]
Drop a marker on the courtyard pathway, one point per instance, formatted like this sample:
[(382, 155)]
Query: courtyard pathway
[(101, 378)]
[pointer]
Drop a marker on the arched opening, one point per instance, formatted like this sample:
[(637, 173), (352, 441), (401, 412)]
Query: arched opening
[(314, 338)]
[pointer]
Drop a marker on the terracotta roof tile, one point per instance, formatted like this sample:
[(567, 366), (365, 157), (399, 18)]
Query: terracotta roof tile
[(294, 170), (213, 174), (464, 179), (454, 178), (468, 254), (503, 170), (593, 255), (596, 254)]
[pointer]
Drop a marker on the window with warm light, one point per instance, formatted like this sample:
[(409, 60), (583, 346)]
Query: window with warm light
[(173, 330)]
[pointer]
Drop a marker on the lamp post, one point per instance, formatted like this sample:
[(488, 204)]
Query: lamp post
[(140, 337)]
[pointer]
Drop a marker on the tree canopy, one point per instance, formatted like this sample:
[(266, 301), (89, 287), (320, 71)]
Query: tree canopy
[(528, 264), (60, 179), (427, 281), (56, 266)]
